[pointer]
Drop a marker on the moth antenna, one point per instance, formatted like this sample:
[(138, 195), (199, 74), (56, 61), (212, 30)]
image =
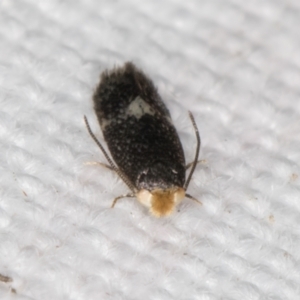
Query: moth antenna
[(121, 175), (187, 182)]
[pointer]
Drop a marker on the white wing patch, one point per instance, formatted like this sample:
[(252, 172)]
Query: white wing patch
[(139, 107)]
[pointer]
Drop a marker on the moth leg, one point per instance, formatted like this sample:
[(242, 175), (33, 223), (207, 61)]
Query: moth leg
[(4, 278), (93, 163), (129, 195), (191, 163), (193, 198)]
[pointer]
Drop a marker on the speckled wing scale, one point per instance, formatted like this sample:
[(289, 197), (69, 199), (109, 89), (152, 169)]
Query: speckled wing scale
[(143, 142)]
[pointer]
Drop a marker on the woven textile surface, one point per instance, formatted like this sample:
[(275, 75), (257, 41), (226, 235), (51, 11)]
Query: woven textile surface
[(236, 66)]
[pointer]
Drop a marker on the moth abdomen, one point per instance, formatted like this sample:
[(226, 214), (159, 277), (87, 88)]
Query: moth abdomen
[(141, 138)]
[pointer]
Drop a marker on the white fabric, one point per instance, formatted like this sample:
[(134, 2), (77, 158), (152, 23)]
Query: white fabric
[(236, 66)]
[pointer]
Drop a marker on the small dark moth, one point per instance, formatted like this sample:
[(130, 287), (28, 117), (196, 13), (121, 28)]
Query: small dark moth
[(145, 147)]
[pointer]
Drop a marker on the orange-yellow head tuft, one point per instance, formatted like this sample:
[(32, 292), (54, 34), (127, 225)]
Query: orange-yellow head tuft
[(161, 203)]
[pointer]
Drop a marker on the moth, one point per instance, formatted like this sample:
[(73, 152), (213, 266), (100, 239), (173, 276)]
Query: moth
[(145, 147)]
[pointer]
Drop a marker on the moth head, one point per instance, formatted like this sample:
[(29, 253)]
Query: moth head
[(160, 202)]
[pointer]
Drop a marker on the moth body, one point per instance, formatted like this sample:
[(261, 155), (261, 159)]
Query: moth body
[(141, 138)]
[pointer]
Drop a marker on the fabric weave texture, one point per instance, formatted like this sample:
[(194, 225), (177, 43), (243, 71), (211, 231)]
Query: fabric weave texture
[(236, 66)]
